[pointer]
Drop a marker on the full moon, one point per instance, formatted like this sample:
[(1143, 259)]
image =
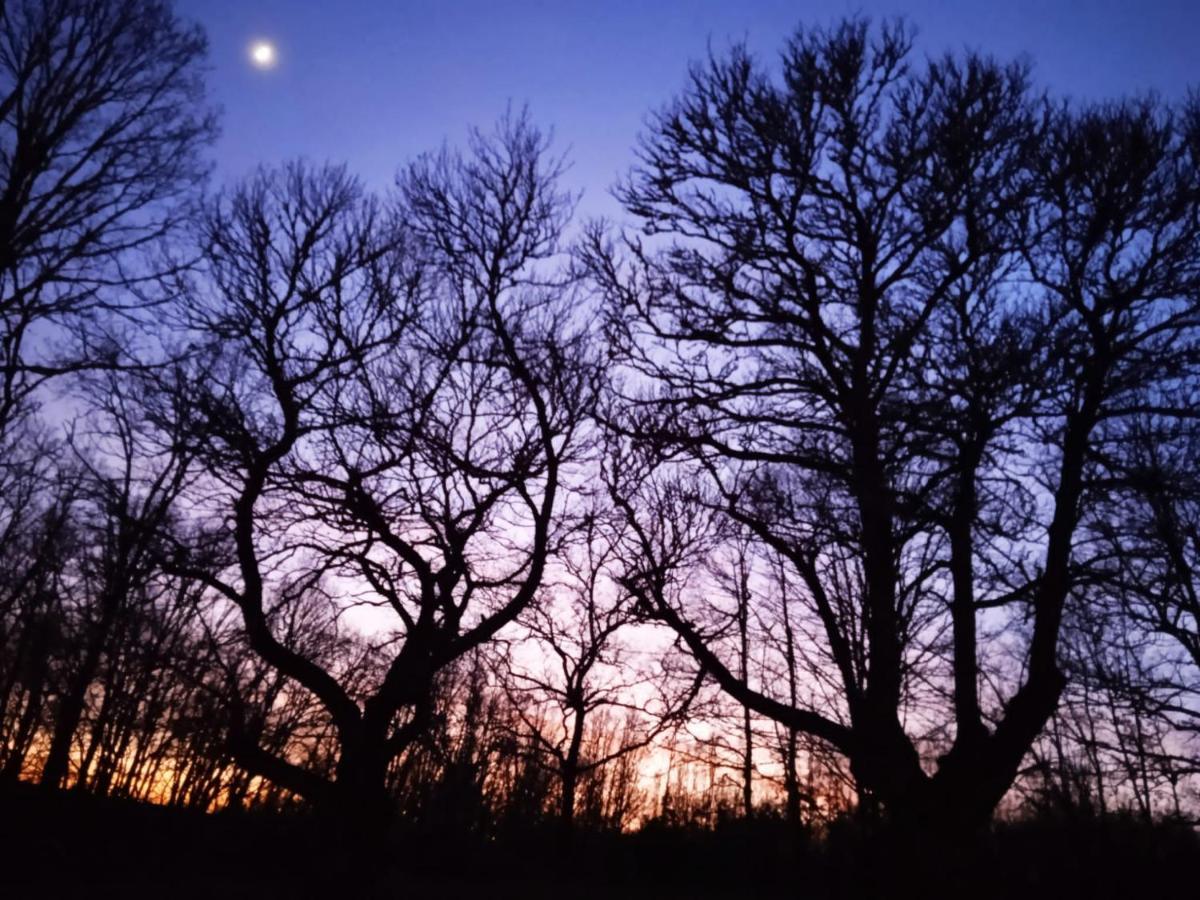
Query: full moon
[(262, 54)]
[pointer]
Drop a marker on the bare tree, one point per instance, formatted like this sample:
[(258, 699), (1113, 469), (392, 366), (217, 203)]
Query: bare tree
[(734, 575), (577, 676), (395, 407), (41, 541), (1133, 625), (102, 125), (829, 322), (102, 122), (1149, 534)]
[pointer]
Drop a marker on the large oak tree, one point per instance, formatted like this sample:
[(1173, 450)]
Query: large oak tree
[(899, 314)]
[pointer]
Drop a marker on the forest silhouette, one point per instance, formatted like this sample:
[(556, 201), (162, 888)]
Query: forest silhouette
[(829, 525)]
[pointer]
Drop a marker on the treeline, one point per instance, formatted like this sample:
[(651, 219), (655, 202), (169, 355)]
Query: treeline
[(857, 473)]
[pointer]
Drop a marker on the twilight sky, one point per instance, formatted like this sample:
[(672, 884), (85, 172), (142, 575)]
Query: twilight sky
[(373, 82)]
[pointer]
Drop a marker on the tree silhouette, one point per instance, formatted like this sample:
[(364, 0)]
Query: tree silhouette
[(842, 504), (102, 125), (577, 674), (829, 319), (396, 398)]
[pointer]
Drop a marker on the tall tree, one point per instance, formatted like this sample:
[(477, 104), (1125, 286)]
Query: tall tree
[(897, 314), (394, 406)]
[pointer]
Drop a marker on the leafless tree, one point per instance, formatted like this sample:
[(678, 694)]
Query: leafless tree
[(898, 315), (40, 543), (129, 488), (395, 406), (578, 674), (102, 124)]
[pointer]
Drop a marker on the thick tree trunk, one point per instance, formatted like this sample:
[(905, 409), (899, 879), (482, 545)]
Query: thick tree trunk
[(566, 804), (358, 801), (569, 771)]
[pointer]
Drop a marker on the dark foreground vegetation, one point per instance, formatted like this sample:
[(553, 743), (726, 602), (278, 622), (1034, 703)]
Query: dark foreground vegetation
[(114, 848), (831, 523)]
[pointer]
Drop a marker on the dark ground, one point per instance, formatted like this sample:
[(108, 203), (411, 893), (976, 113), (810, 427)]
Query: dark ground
[(56, 844)]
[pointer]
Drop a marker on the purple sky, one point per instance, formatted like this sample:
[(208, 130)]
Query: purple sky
[(373, 82)]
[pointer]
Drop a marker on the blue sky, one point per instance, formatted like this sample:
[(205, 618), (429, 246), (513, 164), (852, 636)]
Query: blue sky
[(373, 82)]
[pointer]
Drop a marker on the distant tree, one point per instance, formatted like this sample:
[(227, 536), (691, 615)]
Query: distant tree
[(1148, 537), (734, 575), (788, 737), (576, 677), (129, 485), (103, 123), (900, 316), (40, 542), (1131, 630)]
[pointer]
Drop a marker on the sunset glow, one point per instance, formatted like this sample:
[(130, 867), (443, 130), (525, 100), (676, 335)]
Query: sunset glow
[(674, 449)]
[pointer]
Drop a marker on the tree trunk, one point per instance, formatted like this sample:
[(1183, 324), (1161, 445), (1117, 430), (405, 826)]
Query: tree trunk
[(743, 614), (566, 805), (791, 777), (570, 767), (358, 801), (21, 740), (70, 706)]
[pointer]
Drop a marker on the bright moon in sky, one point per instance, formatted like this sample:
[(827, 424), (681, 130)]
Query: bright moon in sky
[(262, 54)]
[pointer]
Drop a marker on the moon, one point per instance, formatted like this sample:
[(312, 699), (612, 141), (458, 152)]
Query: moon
[(263, 54)]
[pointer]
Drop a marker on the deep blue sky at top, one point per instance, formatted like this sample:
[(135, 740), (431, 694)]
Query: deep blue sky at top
[(374, 82)]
